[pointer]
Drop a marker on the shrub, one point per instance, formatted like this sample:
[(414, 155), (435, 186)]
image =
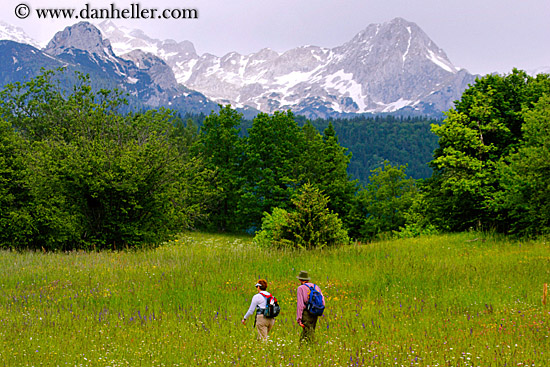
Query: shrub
[(84, 175), (309, 225)]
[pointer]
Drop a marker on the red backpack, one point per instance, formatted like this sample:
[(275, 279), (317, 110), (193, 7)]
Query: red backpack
[(272, 309)]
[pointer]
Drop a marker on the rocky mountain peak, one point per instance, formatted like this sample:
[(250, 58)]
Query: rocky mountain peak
[(386, 67), (125, 40), (82, 36), (161, 74), (394, 42)]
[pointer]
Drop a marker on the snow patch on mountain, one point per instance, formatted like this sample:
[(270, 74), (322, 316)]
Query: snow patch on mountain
[(16, 34), (384, 68), (397, 105), (442, 63)]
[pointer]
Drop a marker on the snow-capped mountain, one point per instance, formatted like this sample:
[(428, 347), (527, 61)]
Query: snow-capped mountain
[(180, 56), (148, 80), (16, 34), (384, 68), (124, 40)]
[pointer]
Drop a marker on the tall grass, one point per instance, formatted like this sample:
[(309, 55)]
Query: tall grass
[(448, 300)]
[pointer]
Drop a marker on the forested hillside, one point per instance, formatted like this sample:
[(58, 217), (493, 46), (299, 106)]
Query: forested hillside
[(77, 172), (371, 140)]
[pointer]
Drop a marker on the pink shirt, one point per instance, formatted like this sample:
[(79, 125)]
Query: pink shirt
[(303, 297)]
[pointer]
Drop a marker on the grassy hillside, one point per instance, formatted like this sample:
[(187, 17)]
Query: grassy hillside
[(452, 300)]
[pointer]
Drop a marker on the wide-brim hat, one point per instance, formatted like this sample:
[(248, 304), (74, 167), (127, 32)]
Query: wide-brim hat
[(303, 275)]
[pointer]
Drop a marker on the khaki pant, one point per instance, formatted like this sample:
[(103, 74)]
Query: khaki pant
[(308, 331), (264, 326)]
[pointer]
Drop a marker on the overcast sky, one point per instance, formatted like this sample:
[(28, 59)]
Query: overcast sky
[(482, 36)]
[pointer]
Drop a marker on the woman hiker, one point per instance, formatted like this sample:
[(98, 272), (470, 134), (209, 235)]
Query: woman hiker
[(258, 304)]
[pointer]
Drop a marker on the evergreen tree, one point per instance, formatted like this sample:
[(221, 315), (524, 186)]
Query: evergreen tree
[(311, 167), (375, 139), (272, 167), (335, 180), (325, 164), (309, 224), (222, 149)]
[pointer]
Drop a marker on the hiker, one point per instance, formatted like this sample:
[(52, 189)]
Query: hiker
[(307, 316), (258, 304)]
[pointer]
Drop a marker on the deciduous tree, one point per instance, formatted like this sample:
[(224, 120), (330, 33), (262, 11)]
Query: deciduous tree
[(485, 126), (382, 205), (525, 175), (94, 178)]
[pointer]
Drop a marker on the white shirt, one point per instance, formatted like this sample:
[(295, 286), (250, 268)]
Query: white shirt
[(257, 301)]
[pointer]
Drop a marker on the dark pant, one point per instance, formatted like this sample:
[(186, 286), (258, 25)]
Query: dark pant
[(308, 332)]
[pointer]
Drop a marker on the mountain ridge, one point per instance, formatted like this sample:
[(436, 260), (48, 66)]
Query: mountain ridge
[(377, 71), (391, 67), (148, 80)]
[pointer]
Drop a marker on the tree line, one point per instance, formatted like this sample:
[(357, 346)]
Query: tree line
[(374, 139), (77, 172), (401, 140)]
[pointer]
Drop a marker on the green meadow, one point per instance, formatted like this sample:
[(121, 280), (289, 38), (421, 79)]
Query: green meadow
[(449, 300)]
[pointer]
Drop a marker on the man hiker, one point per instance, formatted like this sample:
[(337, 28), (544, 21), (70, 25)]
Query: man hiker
[(307, 319)]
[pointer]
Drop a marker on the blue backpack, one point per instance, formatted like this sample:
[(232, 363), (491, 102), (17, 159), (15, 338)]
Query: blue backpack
[(315, 304)]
